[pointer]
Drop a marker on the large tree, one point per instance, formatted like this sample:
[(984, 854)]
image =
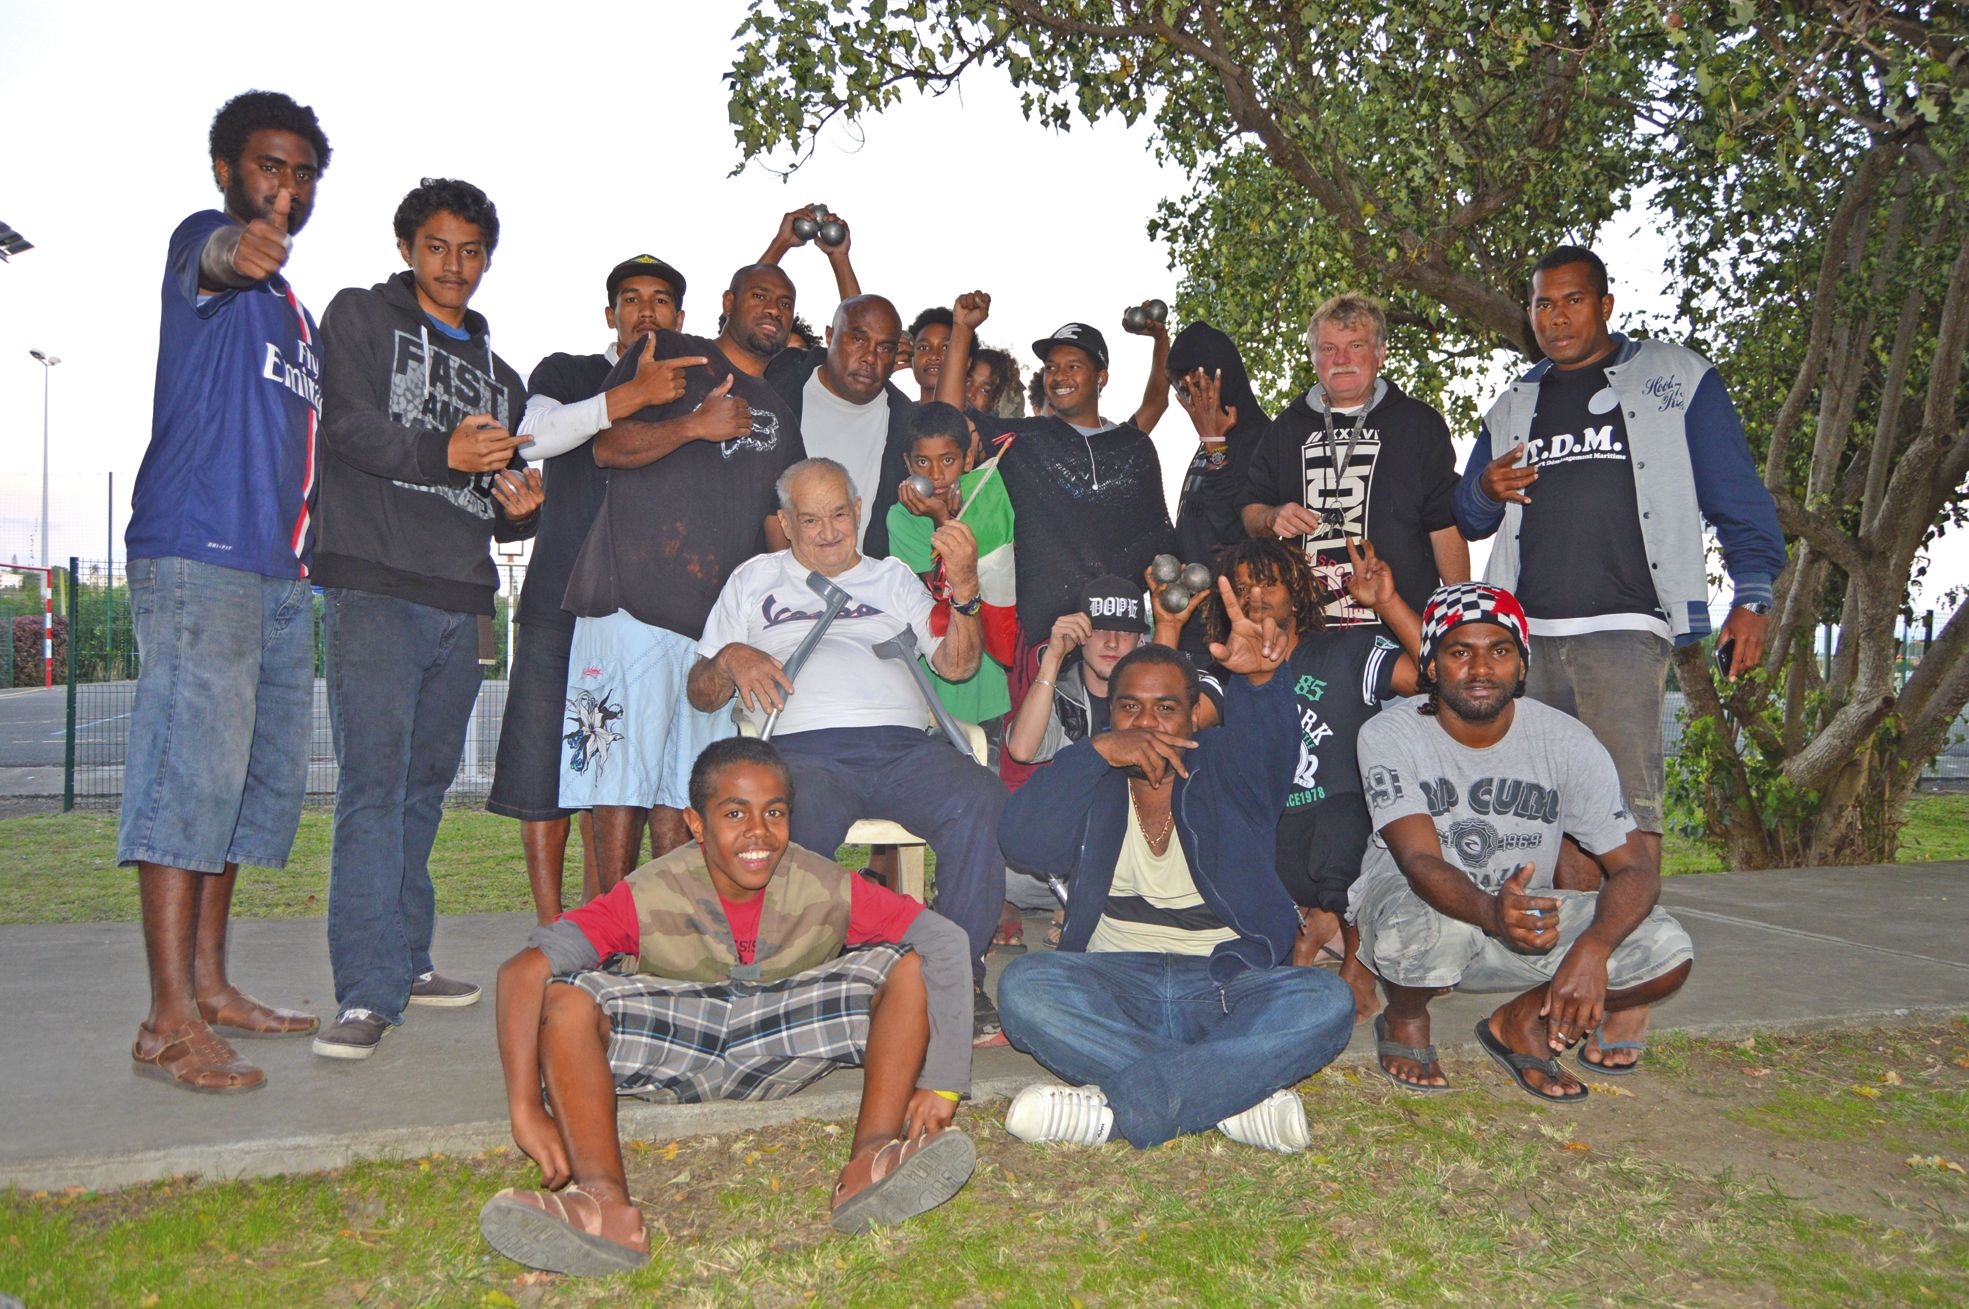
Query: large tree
[(1809, 157)]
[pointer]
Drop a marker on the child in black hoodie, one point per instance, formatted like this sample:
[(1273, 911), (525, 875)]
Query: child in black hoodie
[(416, 419)]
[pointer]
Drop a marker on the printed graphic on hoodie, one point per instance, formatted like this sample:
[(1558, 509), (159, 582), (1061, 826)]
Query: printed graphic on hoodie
[(436, 391), (1336, 469)]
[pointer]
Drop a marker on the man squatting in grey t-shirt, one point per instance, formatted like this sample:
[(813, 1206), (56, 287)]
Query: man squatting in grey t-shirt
[(1471, 790)]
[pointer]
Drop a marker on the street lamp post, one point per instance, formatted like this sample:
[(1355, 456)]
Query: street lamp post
[(47, 362)]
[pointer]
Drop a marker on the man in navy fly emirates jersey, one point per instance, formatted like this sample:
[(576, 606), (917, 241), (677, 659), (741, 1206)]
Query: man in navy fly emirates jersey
[(220, 545)]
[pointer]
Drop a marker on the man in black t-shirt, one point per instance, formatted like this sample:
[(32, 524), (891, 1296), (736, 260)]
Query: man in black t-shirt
[(1339, 676), (565, 407), (689, 498), (1086, 494), (1356, 457)]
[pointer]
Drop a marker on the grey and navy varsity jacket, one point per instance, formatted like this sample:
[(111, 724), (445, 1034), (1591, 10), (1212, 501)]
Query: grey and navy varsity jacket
[(1691, 462)]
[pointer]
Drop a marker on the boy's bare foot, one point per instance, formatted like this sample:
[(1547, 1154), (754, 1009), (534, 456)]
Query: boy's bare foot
[(1367, 996)]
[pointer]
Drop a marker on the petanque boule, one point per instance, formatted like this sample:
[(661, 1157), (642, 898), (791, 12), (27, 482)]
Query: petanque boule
[(1134, 318), (808, 228), (920, 484), (1157, 310), (1165, 568), (1175, 598), (833, 232), (1196, 577)]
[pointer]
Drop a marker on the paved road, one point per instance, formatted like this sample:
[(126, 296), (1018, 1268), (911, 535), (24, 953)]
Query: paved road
[(1774, 950)]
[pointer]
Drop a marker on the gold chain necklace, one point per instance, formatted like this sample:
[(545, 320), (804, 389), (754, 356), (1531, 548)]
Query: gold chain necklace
[(1159, 838)]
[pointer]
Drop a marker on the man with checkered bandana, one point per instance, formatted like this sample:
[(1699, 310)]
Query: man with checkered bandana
[(1471, 790)]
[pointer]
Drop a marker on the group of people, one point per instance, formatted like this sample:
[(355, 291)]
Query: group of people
[(761, 571)]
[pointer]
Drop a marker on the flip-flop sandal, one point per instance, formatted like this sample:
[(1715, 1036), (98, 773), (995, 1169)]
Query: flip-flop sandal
[(1609, 1070), (1519, 1064), (902, 1179), (1385, 1049), (1009, 938), (560, 1231)]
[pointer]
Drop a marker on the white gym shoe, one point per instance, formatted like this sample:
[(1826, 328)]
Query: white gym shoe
[(1277, 1122), (1047, 1111)]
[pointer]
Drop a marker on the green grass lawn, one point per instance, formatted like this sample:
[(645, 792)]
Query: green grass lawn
[(61, 868), (1812, 1169)]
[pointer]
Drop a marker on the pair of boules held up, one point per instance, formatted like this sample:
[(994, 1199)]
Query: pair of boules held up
[(824, 225), (1180, 582), (1136, 318)]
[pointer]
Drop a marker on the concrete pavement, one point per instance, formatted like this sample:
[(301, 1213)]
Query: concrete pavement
[(1774, 950)]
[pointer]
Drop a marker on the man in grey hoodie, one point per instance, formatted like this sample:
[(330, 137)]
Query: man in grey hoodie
[(422, 474)]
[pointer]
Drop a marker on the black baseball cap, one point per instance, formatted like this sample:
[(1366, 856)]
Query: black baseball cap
[(644, 266), (1079, 335), (1114, 604)]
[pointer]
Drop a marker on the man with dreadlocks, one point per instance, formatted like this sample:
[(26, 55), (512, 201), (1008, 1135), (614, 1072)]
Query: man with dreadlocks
[(1339, 678), (1472, 789)]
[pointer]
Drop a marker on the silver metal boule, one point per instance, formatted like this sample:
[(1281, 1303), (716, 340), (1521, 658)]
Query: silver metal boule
[(1196, 577), (833, 232), (1165, 568), (922, 485), (1174, 599), (1158, 310)]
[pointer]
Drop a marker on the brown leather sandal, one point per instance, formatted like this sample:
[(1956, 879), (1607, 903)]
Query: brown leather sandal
[(902, 1179), (565, 1231), (194, 1057), (243, 1016)]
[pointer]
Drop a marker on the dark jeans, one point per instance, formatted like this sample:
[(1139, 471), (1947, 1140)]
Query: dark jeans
[(844, 774), (1174, 1051), (401, 681)]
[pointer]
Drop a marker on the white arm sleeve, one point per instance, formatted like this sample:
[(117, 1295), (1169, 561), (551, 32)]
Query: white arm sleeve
[(552, 428)]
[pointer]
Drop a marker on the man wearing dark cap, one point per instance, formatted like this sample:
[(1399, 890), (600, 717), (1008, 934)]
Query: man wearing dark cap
[(688, 499), (1471, 790), (1086, 493), (566, 405)]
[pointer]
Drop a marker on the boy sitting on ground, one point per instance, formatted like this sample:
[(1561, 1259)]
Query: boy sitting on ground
[(736, 988)]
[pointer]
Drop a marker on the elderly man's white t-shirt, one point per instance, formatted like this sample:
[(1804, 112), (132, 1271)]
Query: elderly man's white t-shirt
[(768, 605)]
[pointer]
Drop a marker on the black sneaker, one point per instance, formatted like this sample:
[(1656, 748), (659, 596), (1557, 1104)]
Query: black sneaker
[(985, 1027), (354, 1034), (444, 992)]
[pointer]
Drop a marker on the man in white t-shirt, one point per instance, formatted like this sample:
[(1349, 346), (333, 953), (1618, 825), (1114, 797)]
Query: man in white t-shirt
[(852, 727), (1472, 790)]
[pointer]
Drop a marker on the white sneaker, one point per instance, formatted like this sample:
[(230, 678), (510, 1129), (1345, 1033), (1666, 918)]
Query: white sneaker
[(1047, 1111), (1278, 1122)]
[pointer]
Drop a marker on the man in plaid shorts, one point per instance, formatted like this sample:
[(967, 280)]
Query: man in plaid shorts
[(729, 983)]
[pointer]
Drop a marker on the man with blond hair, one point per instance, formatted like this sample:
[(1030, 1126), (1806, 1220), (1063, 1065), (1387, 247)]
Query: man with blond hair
[(1356, 456)]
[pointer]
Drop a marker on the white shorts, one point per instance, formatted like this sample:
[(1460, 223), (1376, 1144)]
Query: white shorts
[(630, 735)]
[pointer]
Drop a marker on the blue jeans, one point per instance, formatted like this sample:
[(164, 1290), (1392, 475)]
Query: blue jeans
[(217, 759), (401, 681), (844, 774), (1174, 1051)]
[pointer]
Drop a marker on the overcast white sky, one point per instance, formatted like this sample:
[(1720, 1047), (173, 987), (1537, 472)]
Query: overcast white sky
[(600, 134)]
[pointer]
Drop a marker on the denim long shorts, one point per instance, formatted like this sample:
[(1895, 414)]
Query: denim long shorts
[(217, 761)]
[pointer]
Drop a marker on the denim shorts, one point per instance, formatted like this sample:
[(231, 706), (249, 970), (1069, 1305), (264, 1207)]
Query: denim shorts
[(217, 761), (631, 735)]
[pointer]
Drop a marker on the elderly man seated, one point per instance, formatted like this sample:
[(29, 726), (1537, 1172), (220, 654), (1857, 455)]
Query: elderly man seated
[(852, 730)]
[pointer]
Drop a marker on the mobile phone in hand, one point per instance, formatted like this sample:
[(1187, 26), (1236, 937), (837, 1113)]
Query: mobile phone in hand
[(1725, 651)]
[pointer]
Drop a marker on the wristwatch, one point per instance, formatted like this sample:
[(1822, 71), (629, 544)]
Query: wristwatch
[(1759, 607)]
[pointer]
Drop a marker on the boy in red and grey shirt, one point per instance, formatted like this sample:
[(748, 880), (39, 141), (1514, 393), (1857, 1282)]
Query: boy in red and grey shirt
[(729, 981)]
